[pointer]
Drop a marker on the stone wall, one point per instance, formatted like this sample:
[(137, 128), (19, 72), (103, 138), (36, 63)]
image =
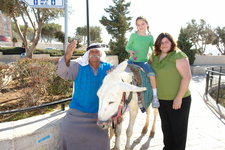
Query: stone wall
[(40, 132), (210, 60), (201, 62)]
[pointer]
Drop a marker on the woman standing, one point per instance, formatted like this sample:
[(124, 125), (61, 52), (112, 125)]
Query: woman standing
[(173, 76)]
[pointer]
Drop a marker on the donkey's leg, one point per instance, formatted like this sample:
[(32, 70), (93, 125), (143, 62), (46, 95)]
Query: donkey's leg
[(111, 132), (133, 106), (152, 133), (118, 131), (145, 128)]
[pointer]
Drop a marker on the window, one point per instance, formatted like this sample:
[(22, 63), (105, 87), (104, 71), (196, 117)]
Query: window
[(6, 27), (4, 18), (6, 34)]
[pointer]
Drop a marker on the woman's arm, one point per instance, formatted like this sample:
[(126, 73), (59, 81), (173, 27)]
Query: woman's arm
[(183, 67)]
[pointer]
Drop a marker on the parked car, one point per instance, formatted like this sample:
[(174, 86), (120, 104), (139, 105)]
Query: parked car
[(51, 48), (5, 38)]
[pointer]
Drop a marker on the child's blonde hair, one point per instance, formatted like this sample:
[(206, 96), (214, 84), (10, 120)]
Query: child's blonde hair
[(143, 18)]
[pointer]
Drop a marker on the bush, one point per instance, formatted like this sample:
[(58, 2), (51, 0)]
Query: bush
[(41, 78), (10, 50), (5, 75), (17, 50)]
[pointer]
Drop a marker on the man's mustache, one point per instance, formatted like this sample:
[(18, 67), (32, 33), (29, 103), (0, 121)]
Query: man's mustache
[(94, 56)]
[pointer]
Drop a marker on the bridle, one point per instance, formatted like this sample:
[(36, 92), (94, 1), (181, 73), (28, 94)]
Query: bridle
[(117, 118)]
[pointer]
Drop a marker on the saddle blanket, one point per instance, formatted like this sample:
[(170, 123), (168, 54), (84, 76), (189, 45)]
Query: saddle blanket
[(140, 79)]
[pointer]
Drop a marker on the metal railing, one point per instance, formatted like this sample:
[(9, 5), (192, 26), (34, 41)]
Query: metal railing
[(214, 75), (62, 102)]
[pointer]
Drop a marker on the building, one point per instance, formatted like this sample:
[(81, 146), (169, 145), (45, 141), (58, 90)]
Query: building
[(5, 26)]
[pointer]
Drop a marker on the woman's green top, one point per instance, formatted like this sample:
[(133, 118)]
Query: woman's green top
[(168, 78), (140, 45)]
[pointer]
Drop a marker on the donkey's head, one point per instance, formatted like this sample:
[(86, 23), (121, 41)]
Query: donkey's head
[(111, 91)]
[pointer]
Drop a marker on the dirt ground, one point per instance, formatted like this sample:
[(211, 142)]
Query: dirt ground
[(13, 96), (10, 95)]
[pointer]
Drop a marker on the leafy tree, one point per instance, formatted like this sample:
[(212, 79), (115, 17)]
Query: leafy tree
[(95, 32), (14, 40), (82, 32), (185, 45), (29, 32), (48, 31), (60, 36), (200, 35), (117, 25), (220, 39), (36, 17)]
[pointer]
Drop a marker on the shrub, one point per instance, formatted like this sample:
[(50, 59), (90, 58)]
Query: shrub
[(5, 75), (41, 78), (52, 52)]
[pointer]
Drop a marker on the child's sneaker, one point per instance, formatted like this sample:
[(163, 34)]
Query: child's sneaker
[(155, 102)]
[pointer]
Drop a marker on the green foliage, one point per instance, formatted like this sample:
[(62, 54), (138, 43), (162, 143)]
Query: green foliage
[(95, 31), (60, 36), (10, 50), (14, 40), (117, 26), (52, 52), (200, 35), (185, 45), (48, 31), (219, 40), (29, 31), (118, 48)]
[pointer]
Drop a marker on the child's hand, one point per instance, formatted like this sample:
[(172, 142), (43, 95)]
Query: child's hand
[(132, 53)]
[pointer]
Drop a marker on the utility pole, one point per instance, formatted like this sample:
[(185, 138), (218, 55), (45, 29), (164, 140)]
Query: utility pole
[(88, 31), (66, 24)]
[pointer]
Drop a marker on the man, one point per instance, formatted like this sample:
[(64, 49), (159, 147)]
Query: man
[(78, 128)]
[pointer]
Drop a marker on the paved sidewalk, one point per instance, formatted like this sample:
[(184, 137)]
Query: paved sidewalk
[(206, 129)]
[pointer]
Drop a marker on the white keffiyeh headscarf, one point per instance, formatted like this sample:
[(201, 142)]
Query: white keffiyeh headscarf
[(83, 61)]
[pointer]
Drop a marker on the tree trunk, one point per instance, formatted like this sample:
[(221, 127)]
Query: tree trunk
[(29, 53)]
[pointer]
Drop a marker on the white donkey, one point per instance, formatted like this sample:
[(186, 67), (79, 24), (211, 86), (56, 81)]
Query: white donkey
[(112, 106)]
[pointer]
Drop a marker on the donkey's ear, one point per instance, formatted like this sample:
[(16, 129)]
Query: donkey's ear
[(121, 67), (125, 87)]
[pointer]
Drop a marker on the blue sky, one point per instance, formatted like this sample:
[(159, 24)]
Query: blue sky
[(163, 15)]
